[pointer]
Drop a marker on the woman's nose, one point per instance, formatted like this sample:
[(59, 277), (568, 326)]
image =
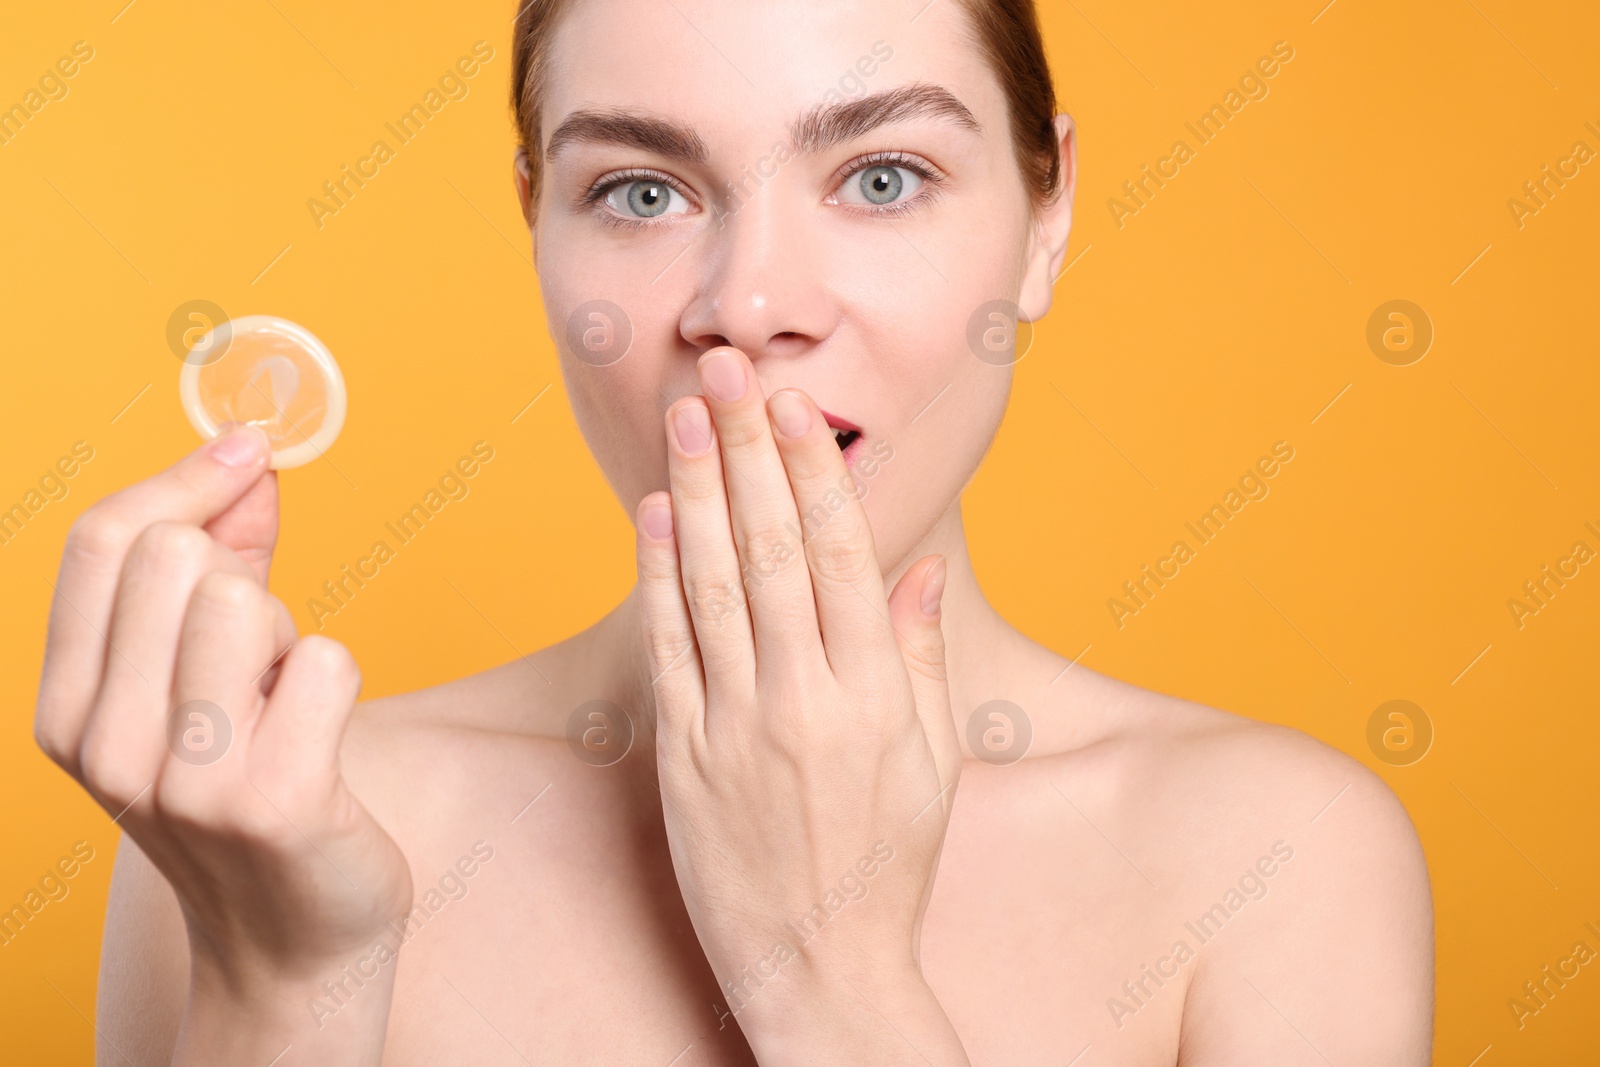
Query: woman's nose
[(762, 288)]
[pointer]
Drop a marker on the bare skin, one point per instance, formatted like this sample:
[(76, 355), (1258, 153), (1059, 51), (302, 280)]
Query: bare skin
[(1156, 882), (575, 944)]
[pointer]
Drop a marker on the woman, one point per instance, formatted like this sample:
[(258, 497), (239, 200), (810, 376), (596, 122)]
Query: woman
[(800, 828)]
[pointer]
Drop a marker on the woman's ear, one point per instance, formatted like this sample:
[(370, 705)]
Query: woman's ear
[(523, 177), (1047, 248)]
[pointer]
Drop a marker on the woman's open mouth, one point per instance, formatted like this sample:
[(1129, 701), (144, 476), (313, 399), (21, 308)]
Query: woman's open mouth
[(846, 434)]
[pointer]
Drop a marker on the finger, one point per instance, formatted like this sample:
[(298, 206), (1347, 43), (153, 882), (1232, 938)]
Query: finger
[(124, 735), (250, 525), (706, 557), (198, 489), (766, 530), (852, 613), (295, 744), (296, 799), (915, 609), (229, 632), (675, 671), (285, 634)]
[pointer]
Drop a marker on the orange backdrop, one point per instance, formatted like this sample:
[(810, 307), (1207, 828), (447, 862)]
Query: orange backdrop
[(1442, 458)]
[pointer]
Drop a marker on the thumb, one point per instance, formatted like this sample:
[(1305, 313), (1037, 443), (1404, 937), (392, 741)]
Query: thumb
[(915, 610), (249, 526), (298, 735)]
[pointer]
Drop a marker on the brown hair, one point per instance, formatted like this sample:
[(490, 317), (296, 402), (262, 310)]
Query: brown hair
[(1006, 30)]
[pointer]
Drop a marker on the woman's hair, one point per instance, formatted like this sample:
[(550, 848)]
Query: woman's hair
[(1006, 30)]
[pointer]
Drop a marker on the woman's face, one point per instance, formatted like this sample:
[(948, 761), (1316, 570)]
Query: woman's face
[(829, 187)]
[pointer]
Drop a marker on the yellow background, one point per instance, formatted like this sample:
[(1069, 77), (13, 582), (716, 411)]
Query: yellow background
[(1224, 316)]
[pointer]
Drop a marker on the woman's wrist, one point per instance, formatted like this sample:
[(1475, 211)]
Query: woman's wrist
[(268, 1015), (880, 1015)]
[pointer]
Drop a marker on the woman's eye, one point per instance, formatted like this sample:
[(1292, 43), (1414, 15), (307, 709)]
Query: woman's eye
[(646, 200), (880, 185)]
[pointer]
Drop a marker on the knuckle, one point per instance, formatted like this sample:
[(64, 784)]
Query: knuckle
[(107, 773), (929, 669), (168, 546), (701, 764), (229, 594), (841, 556), (698, 486), (742, 434), (100, 534), (179, 802), (926, 657), (203, 807), (327, 659), (797, 732), (713, 600), (764, 552), (55, 742), (669, 650)]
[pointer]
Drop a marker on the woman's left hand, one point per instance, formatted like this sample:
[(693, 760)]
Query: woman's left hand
[(805, 746)]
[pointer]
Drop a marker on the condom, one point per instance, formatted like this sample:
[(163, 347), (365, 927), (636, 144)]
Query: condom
[(272, 374)]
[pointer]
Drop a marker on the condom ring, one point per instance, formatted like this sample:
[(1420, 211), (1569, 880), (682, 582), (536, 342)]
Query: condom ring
[(272, 374)]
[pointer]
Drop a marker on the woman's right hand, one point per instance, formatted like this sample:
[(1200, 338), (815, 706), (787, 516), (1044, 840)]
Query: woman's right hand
[(175, 691)]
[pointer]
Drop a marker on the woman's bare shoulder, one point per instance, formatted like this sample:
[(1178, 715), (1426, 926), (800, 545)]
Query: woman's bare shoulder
[(1233, 768), (1204, 790), (1305, 855)]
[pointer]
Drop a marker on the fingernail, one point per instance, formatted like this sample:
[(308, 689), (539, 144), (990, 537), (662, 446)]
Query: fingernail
[(724, 377), (692, 424), (790, 413), (657, 520), (933, 589), (241, 446)]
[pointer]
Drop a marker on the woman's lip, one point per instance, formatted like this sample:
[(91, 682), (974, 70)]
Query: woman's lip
[(853, 451), (839, 424)]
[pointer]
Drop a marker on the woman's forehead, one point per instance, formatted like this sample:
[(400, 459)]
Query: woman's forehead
[(757, 65)]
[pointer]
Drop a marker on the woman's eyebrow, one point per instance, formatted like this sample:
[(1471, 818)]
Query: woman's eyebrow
[(827, 125), (820, 128), (615, 126)]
